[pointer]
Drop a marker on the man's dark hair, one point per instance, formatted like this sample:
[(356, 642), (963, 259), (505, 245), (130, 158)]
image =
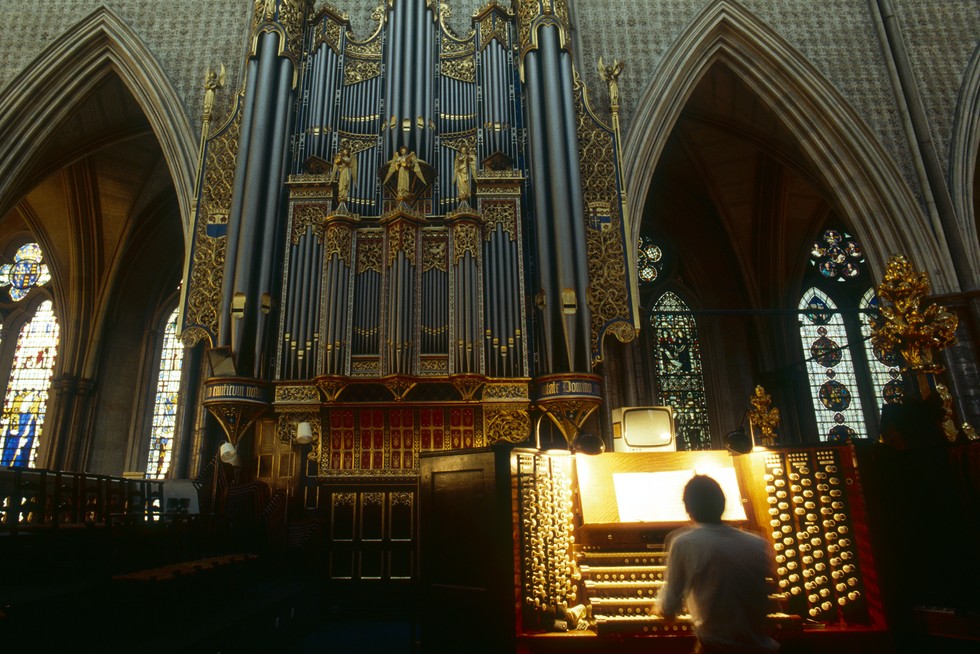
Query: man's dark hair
[(704, 499)]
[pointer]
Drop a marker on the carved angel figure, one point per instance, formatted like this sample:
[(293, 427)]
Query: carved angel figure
[(213, 81), (610, 75), (344, 171), (464, 170), (404, 163)]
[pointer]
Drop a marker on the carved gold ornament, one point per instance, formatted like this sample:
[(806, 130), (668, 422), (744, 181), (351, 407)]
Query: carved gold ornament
[(903, 326), (208, 266), (359, 70), (609, 299), (763, 417), (369, 254), (463, 69), (466, 237), (507, 423), (502, 213), (309, 216)]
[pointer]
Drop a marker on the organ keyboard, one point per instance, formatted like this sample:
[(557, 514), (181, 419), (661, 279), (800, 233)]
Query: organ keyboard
[(621, 588)]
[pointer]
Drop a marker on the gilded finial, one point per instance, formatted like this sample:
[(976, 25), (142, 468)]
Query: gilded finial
[(916, 333), (763, 417)]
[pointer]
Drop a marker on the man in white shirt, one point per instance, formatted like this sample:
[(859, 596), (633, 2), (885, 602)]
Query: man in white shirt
[(720, 574)]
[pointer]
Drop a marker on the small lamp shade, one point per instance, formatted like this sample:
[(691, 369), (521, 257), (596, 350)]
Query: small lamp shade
[(228, 453), (304, 433), (738, 442)]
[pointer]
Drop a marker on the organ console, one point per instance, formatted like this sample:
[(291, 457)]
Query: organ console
[(590, 533)]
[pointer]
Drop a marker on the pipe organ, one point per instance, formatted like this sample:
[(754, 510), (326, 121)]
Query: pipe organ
[(410, 235)]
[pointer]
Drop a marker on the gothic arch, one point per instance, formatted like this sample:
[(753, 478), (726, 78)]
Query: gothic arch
[(46, 92), (866, 184), (964, 153)]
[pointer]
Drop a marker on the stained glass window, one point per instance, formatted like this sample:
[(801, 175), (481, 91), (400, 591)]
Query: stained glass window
[(649, 260), (886, 378), (680, 379), (830, 368), (837, 255), (165, 405), (27, 388), (26, 272)]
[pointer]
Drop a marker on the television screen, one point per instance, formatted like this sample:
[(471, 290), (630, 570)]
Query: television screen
[(643, 428)]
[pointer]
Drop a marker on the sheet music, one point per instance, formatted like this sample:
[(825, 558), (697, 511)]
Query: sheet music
[(658, 496)]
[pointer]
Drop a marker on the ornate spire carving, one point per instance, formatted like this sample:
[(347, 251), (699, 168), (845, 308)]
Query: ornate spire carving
[(903, 326)]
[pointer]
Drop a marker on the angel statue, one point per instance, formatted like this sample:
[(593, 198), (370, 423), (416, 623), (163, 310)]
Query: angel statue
[(213, 81), (464, 170), (404, 163), (344, 172), (610, 75)]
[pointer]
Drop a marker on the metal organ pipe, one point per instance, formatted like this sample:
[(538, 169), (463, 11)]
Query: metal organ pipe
[(292, 316), (263, 175), (542, 208), (493, 299), (357, 303), (304, 293), (327, 345), (491, 102), (579, 248), (235, 211), (456, 333), (309, 124), (273, 202), (560, 190), (563, 185), (321, 99), (394, 74), (408, 73), (424, 102), (342, 342), (316, 344), (335, 309)]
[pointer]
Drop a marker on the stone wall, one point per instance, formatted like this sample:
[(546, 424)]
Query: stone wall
[(186, 36), (941, 37)]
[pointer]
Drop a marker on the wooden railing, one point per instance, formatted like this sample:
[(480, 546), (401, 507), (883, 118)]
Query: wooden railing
[(32, 498)]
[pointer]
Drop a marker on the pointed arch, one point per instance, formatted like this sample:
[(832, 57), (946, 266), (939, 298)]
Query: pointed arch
[(868, 187), (39, 99), (964, 153)]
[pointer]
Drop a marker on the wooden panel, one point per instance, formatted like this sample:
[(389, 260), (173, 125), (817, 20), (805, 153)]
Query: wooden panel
[(341, 564), (401, 526), (372, 564), (342, 516), (372, 517), (401, 564)]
